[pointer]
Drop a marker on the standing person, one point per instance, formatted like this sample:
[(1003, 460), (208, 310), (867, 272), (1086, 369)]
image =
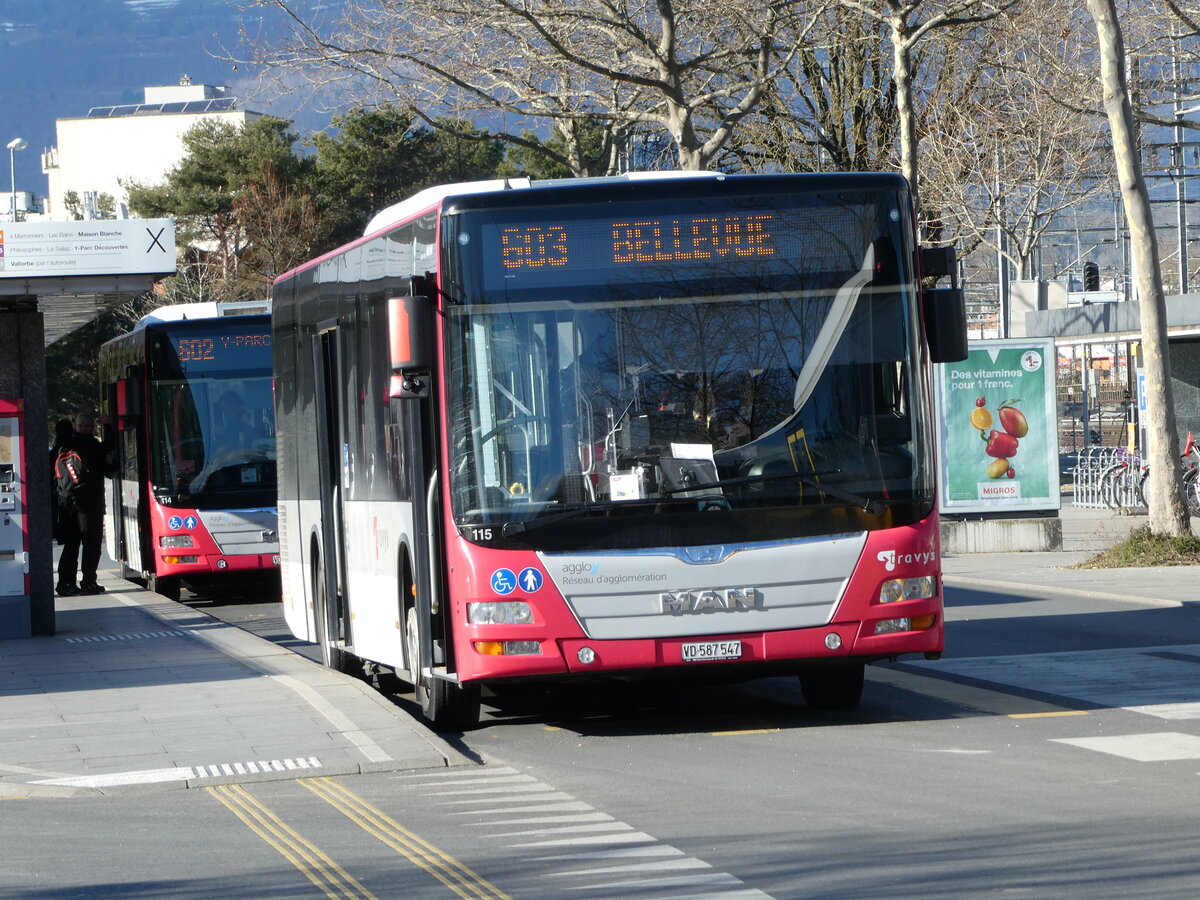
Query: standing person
[(80, 471), (63, 430)]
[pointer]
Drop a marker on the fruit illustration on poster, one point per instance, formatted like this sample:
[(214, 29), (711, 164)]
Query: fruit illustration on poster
[(1002, 444)]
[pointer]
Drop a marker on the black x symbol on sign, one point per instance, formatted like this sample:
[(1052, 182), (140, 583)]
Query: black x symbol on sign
[(154, 240)]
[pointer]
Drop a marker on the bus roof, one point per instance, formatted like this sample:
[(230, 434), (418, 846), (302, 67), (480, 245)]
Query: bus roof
[(430, 197), (433, 197), (182, 312)]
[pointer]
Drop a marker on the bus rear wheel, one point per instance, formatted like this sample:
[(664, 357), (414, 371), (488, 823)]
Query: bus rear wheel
[(447, 706), (833, 688)]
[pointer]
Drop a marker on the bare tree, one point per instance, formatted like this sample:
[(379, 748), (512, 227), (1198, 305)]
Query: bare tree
[(1006, 158), (691, 68), (832, 108), (909, 23), (1168, 514), (281, 227)]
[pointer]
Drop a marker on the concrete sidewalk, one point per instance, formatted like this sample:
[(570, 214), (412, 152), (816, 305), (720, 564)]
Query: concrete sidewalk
[(136, 690)]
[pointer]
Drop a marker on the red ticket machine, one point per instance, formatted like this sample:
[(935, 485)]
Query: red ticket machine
[(14, 523)]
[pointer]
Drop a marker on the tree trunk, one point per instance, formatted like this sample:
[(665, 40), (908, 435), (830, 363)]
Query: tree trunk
[(906, 117), (1168, 515)]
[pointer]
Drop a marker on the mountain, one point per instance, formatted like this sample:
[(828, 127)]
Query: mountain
[(59, 58)]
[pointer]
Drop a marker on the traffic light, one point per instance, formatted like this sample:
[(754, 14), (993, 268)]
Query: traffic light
[(1091, 276)]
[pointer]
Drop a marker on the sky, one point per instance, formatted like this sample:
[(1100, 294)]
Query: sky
[(60, 58)]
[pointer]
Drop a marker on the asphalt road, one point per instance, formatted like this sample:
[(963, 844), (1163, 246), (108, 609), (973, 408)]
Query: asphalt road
[(1054, 752)]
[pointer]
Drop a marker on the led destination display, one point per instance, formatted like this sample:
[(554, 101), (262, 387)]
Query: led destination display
[(736, 240), (641, 241), (215, 348)]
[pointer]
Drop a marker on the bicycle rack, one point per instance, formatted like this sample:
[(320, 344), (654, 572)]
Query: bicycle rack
[(1092, 464)]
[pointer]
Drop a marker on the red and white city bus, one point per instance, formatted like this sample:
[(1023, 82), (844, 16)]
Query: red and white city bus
[(613, 427), (189, 393)]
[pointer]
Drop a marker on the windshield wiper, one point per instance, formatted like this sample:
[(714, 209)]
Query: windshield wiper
[(867, 504)]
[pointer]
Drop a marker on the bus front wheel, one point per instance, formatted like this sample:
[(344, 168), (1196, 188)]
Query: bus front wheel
[(446, 705), (164, 585), (833, 688)]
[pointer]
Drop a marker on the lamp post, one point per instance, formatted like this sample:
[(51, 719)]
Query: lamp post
[(13, 146)]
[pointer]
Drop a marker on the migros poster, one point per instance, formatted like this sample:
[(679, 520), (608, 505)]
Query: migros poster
[(998, 435)]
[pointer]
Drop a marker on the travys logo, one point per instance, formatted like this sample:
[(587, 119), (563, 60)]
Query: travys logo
[(890, 558)]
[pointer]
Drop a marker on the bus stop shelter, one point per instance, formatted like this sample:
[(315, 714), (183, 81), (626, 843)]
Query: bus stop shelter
[(55, 277)]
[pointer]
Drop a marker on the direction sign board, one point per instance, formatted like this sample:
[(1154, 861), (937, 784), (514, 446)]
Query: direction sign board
[(96, 247)]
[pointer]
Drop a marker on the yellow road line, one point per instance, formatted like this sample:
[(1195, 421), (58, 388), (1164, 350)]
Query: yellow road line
[(1049, 715), (459, 878), (744, 731), (313, 863)]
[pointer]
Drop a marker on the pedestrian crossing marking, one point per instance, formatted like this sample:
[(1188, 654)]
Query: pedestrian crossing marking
[(1159, 747), (1169, 710), (593, 854), (1049, 715)]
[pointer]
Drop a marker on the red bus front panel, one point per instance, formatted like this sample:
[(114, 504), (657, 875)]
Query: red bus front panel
[(820, 598)]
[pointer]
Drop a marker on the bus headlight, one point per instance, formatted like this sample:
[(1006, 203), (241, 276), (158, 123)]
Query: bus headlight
[(500, 612), (921, 588), (508, 648), (176, 540), (895, 626)]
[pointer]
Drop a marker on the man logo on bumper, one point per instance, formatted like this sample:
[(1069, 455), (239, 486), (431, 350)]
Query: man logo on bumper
[(679, 603)]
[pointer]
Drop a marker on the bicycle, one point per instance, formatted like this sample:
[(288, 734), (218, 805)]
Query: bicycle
[(1127, 479), (1122, 485)]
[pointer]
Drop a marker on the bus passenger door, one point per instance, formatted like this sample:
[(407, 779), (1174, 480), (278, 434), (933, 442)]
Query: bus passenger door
[(128, 514), (330, 609)]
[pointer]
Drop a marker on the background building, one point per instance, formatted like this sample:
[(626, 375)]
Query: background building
[(142, 142), (28, 205)]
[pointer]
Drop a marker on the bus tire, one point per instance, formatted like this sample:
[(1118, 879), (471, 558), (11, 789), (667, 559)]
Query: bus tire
[(833, 688), (164, 585), (445, 705)]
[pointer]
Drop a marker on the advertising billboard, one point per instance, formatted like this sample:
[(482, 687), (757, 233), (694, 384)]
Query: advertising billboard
[(998, 428)]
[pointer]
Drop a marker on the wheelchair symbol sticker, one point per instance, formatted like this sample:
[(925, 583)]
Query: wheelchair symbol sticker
[(504, 581), (530, 580), (174, 523)]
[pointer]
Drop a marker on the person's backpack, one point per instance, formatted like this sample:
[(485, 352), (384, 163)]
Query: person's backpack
[(72, 476)]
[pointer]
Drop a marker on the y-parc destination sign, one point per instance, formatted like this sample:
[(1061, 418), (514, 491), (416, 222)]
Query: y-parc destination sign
[(96, 247)]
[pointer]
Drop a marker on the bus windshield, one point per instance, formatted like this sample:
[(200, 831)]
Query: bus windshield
[(211, 417), (212, 436), (603, 401)]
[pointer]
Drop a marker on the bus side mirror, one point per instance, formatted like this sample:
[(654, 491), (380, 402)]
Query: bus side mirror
[(945, 316), (410, 342), (937, 262)]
